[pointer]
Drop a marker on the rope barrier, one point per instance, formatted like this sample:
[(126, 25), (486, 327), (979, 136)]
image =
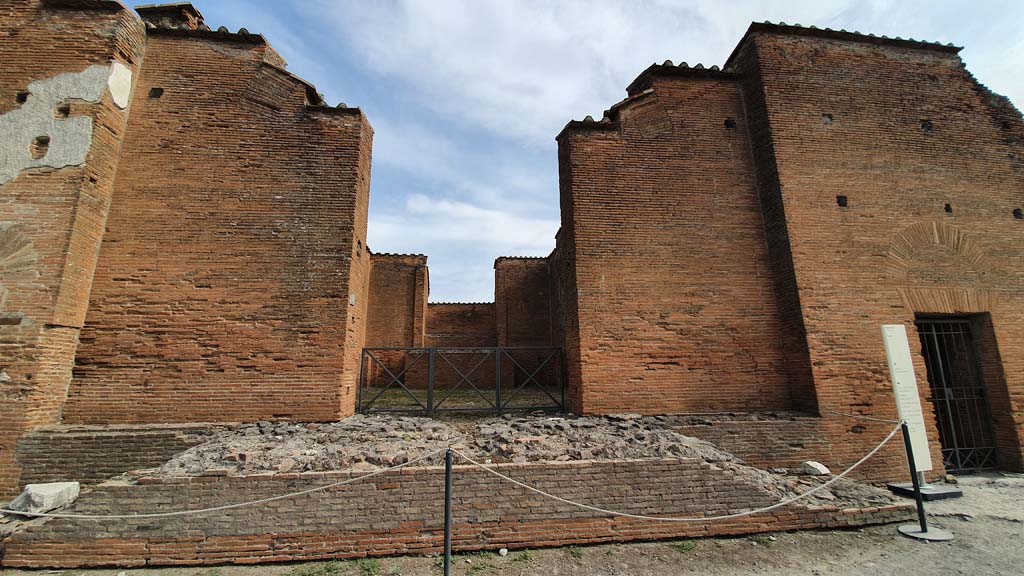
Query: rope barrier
[(692, 519), (780, 504), (227, 506)]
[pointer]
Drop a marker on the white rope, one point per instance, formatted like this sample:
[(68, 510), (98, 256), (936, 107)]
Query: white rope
[(479, 465), (697, 519), (227, 506)]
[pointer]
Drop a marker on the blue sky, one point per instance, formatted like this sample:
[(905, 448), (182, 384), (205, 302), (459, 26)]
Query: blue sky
[(466, 97)]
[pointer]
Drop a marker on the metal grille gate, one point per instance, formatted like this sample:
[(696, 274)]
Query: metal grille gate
[(958, 394), (431, 380)]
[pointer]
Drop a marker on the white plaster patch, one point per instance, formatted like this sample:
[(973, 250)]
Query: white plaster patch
[(120, 84), (69, 138)]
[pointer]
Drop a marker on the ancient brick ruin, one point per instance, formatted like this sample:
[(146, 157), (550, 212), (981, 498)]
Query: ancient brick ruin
[(183, 238)]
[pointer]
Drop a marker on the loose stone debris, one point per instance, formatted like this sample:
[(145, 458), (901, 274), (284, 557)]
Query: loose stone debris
[(366, 443), (813, 468), (38, 498)]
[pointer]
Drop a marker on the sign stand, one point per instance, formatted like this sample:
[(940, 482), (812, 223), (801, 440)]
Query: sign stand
[(921, 531), (908, 405)]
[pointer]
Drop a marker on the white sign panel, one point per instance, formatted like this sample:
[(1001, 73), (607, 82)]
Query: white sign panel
[(904, 387)]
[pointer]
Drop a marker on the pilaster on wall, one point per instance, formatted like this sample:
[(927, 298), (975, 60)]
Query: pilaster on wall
[(780, 252), (522, 301), (421, 294), (359, 269), (63, 121)]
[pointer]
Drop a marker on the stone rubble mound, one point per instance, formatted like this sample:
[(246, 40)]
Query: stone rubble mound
[(366, 443)]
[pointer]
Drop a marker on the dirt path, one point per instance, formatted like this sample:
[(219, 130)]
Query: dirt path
[(988, 523)]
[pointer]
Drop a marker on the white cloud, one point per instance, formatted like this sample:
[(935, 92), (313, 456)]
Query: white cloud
[(522, 68), (452, 225), (476, 91), (467, 237)]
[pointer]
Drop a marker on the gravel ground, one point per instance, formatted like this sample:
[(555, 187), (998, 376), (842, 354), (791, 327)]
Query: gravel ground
[(988, 523), (370, 442)]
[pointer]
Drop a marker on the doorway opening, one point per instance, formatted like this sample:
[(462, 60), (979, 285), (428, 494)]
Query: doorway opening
[(958, 393)]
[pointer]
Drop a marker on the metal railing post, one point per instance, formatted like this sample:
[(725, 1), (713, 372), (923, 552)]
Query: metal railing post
[(360, 383), (430, 383), (448, 512), (563, 375), (497, 381)]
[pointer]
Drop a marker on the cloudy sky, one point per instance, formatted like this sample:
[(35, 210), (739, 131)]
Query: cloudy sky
[(466, 97)]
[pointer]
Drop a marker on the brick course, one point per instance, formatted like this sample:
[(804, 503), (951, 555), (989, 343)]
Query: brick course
[(92, 454), (400, 513)]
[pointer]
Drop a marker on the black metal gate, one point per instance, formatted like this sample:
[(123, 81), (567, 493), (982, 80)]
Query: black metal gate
[(431, 380), (958, 394)]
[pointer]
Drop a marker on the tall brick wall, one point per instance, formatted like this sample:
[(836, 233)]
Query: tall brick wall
[(522, 302), (674, 297), (62, 130), (398, 513), (397, 296), (251, 303), (397, 314), (460, 325), (901, 130)]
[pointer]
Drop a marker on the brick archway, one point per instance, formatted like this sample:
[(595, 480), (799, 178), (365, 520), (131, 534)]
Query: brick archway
[(940, 270), (911, 241)]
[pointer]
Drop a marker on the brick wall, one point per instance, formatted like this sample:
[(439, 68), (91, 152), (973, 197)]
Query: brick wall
[(252, 304), (522, 302), (901, 130), (673, 295), (58, 57), (526, 316), (400, 513), (460, 325), (92, 454), (397, 294), (766, 441)]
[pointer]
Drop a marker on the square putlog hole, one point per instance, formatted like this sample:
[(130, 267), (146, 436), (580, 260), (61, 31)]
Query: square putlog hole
[(40, 145)]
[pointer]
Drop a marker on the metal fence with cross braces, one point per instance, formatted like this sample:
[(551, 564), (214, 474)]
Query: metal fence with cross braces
[(427, 381)]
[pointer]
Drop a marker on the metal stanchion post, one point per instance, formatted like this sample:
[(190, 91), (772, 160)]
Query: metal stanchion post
[(921, 531), (448, 512)]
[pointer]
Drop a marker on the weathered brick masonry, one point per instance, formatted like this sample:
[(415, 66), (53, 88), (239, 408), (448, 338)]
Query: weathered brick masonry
[(733, 239), (257, 193), (92, 454), (183, 237), (919, 134), (674, 292), (400, 513), (62, 133), (231, 208)]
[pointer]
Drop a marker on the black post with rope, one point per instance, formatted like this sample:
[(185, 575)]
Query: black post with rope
[(448, 512)]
